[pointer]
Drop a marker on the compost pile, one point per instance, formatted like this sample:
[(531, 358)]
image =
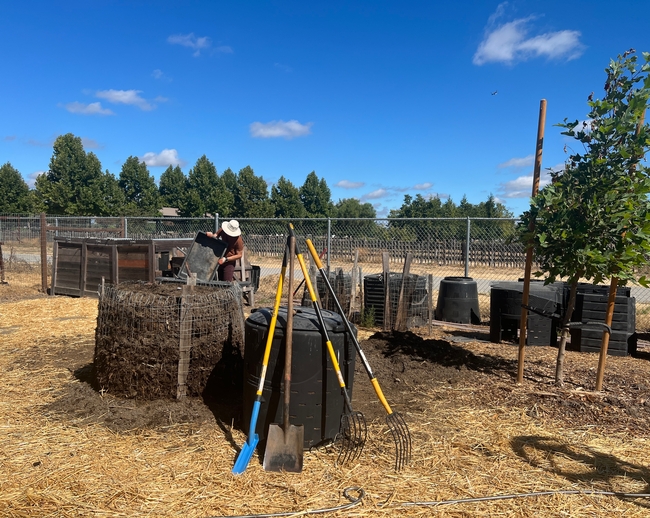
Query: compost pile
[(464, 369), (139, 331)]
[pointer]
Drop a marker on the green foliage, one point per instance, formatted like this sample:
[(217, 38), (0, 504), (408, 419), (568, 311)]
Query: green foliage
[(285, 198), (593, 221), (72, 186), (252, 196), (353, 208), (368, 317), (14, 191), (140, 190), (113, 201), (205, 192), (316, 197), (433, 207), (172, 186)]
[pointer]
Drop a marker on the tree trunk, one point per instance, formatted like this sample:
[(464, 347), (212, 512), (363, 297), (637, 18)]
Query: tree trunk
[(564, 324)]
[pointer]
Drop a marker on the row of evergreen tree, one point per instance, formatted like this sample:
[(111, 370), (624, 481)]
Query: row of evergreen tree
[(75, 185)]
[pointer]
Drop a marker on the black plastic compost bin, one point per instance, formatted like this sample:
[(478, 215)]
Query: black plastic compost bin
[(505, 312), (316, 399), (458, 301)]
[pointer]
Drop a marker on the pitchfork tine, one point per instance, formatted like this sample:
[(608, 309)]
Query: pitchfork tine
[(402, 439)]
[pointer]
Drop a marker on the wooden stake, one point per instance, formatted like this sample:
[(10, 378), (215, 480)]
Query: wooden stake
[(386, 269), (609, 316), (529, 251), (43, 253), (402, 310)]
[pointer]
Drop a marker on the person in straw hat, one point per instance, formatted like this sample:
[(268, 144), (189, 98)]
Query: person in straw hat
[(231, 234)]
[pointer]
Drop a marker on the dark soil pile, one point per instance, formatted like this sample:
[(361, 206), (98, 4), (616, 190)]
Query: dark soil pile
[(405, 363), (139, 332)]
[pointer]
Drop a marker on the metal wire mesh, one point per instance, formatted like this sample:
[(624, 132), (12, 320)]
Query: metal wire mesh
[(143, 331), (480, 248)]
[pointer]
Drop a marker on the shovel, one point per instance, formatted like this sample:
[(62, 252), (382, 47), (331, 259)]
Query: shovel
[(248, 448), (284, 444)]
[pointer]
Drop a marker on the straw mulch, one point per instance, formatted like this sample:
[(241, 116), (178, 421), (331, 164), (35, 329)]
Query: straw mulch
[(67, 450)]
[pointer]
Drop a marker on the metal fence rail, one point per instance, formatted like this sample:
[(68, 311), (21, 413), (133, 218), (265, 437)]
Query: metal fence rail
[(480, 248)]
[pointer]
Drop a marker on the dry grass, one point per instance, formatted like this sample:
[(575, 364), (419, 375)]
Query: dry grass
[(51, 466)]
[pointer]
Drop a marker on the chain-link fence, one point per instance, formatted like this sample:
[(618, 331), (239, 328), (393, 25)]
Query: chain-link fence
[(480, 248)]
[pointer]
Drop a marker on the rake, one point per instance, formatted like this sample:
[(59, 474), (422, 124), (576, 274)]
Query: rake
[(395, 421), (353, 430)]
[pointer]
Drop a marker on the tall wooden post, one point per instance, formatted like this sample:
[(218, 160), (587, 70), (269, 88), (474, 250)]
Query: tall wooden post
[(43, 252), (529, 250)]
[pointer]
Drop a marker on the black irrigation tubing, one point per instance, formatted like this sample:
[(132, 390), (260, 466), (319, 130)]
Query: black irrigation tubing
[(354, 501)]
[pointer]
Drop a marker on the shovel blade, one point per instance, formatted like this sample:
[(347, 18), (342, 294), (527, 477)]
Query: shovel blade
[(284, 449), (245, 455)]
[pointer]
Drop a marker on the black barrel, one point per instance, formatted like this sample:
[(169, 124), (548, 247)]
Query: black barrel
[(316, 399), (458, 301)]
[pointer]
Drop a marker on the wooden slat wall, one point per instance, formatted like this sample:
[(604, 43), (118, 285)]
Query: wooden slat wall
[(68, 269)]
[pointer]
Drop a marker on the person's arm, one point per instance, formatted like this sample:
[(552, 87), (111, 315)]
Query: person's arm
[(237, 248)]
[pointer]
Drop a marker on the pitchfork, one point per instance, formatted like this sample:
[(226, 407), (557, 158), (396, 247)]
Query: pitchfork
[(396, 423), (353, 429)]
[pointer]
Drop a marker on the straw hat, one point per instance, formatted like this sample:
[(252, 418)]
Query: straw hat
[(231, 228)]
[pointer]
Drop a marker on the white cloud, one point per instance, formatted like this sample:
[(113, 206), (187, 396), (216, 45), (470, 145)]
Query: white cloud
[(89, 143), (164, 158), (509, 42), (226, 49), (130, 97), (275, 129), (31, 179), (423, 186), (375, 195), (347, 184), (522, 186), (9, 138), (193, 42), (88, 109), (526, 161), (160, 75)]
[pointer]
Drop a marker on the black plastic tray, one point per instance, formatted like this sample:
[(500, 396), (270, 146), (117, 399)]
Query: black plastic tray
[(203, 258)]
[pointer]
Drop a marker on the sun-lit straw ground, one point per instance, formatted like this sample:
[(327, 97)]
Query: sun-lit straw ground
[(52, 464)]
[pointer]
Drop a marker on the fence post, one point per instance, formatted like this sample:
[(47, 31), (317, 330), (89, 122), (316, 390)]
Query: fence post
[(43, 252), (467, 249), (216, 223), (125, 228), (329, 243)]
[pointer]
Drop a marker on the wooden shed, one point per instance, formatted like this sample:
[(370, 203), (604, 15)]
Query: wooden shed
[(78, 264)]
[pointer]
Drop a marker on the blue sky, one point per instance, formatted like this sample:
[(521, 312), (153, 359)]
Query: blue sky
[(381, 99)]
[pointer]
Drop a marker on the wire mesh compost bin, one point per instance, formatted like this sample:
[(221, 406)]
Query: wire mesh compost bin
[(316, 398), (415, 298), (167, 341)]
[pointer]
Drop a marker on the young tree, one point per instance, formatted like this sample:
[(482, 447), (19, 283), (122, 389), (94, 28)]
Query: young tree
[(316, 197), (593, 220), (285, 198), (172, 186), (140, 190), (14, 191)]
